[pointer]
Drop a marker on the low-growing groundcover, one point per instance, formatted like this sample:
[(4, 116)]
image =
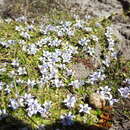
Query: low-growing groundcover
[(37, 82)]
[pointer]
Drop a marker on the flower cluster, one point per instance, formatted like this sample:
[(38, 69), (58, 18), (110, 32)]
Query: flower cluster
[(96, 76), (51, 50), (110, 40), (106, 93), (8, 43), (64, 28), (77, 83), (31, 105)]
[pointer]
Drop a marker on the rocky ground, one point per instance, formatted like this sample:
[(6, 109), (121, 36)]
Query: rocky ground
[(113, 9), (121, 27)]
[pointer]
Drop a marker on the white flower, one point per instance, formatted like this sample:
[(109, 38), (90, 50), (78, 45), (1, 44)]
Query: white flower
[(47, 105), (127, 81), (79, 24), (31, 83), (96, 76), (21, 19), (87, 17), (41, 127), (66, 57), (112, 101), (91, 51), (57, 83), (70, 32), (27, 96), (1, 85), (12, 73), (3, 113), (30, 27), (15, 63), (69, 72), (76, 83), (20, 102), (94, 38), (105, 92), (21, 71), (19, 28), (7, 89), (25, 35), (13, 104), (84, 41), (32, 49), (70, 101), (84, 108), (88, 29), (105, 89), (98, 25), (2, 70), (55, 42)]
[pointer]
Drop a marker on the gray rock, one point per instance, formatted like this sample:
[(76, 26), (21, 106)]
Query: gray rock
[(100, 8), (80, 71), (121, 30)]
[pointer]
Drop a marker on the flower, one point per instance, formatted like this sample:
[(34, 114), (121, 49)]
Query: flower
[(15, 63), (83, 41), (21, 71), (67, 119), (31, 83), (70, 101), (127, 81), (21, 19), (1, 85), (105, 92), (19, 28), (112, 101), (76, 83), (57, 83), (106, 62), (94, 38), (96, 76), (85, 108), (105, 89), (13, 104), (25, 35), (47, 105), (32, 49), (125, 92), (88, 29), (3, 113), (90, 51)]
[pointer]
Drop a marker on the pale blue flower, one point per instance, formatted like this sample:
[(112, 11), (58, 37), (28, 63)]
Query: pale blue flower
[(70, 101), (14, 104), (84, 108), (125, 92)]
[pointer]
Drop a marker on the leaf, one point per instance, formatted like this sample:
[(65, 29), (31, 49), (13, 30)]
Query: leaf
[(106, 116)]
